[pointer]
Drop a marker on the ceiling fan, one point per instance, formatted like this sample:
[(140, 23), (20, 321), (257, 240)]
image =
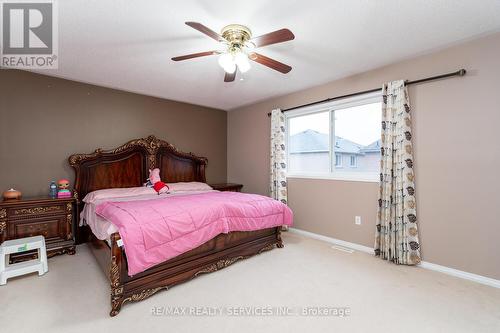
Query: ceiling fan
[(238, 46)]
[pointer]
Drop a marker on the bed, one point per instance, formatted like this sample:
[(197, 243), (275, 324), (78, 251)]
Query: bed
[(128, 166)]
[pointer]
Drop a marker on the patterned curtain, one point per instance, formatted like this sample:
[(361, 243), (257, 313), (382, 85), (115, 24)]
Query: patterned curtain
[(396, 237), (278, 157)]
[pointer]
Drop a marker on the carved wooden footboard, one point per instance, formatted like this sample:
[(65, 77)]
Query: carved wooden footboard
[(226, 250)]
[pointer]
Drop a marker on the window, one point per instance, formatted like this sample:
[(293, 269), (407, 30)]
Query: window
[(309, 143), (324, 138), (338, 160), (352, 161)]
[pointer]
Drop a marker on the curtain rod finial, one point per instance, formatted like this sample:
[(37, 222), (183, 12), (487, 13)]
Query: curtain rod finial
[(462, 72)]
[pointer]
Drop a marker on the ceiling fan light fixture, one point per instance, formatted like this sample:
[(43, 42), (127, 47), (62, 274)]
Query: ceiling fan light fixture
[(230, 68), (241, 60), (226, 61)]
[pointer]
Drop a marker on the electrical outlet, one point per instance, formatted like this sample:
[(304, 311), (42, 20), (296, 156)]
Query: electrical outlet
[(357, 220)]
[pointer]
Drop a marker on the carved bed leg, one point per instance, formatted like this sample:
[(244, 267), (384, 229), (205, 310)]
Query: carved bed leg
[(116, 300), (278, 237), (114, 277)]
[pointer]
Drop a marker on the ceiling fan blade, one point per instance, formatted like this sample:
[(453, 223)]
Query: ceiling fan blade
[(271, 63), (194, 55), (278, 36), (229, 77), (205, 30)]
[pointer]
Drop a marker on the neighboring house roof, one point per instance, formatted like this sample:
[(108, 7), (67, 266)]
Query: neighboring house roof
[(313, 141), (373, 147), (346, 146), (308, 141)]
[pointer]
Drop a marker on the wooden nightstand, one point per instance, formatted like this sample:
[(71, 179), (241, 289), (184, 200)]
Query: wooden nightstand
[(229, 187), (51, 218)]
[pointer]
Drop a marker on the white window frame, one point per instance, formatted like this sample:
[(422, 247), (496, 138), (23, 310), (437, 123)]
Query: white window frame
[(340, 157), (355, 157), (344, 103)]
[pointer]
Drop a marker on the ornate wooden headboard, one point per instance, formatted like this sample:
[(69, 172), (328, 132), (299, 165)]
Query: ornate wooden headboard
[(129, 164)]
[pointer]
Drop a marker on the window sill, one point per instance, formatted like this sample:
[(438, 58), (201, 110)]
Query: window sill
[(369, 178)]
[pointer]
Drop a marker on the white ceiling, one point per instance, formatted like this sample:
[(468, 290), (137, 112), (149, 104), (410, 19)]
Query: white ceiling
[(128, 44)]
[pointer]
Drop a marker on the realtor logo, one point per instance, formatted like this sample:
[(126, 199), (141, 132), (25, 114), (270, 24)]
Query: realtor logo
[(29, 34)]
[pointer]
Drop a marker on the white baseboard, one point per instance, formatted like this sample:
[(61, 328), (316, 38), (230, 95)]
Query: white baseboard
[(461, 274), (331, 240), (424, 264)]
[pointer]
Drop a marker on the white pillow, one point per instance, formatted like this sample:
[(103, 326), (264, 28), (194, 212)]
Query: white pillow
[(188, 186), (112, 193)]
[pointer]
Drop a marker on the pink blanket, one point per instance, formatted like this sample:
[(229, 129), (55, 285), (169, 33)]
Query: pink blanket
[(154, 231)]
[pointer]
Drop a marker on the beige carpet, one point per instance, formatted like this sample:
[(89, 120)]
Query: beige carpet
[(73, 297)]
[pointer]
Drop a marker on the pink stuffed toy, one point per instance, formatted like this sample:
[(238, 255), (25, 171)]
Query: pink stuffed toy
[(155, 180)]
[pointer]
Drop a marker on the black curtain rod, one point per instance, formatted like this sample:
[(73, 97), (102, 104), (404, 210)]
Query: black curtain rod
[(460, 72)]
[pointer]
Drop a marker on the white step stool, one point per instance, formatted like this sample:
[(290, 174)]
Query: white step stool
[(22, 245)]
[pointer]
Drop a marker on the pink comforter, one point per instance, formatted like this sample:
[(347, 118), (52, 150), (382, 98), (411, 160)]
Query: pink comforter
[(154, 231)]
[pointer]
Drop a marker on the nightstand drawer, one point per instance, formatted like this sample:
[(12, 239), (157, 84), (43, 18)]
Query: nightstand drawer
[(49, 227), (37, 210)]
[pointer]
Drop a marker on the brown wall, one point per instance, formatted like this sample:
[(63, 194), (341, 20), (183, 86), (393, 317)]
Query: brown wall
[(457, 158), (44, 119)]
